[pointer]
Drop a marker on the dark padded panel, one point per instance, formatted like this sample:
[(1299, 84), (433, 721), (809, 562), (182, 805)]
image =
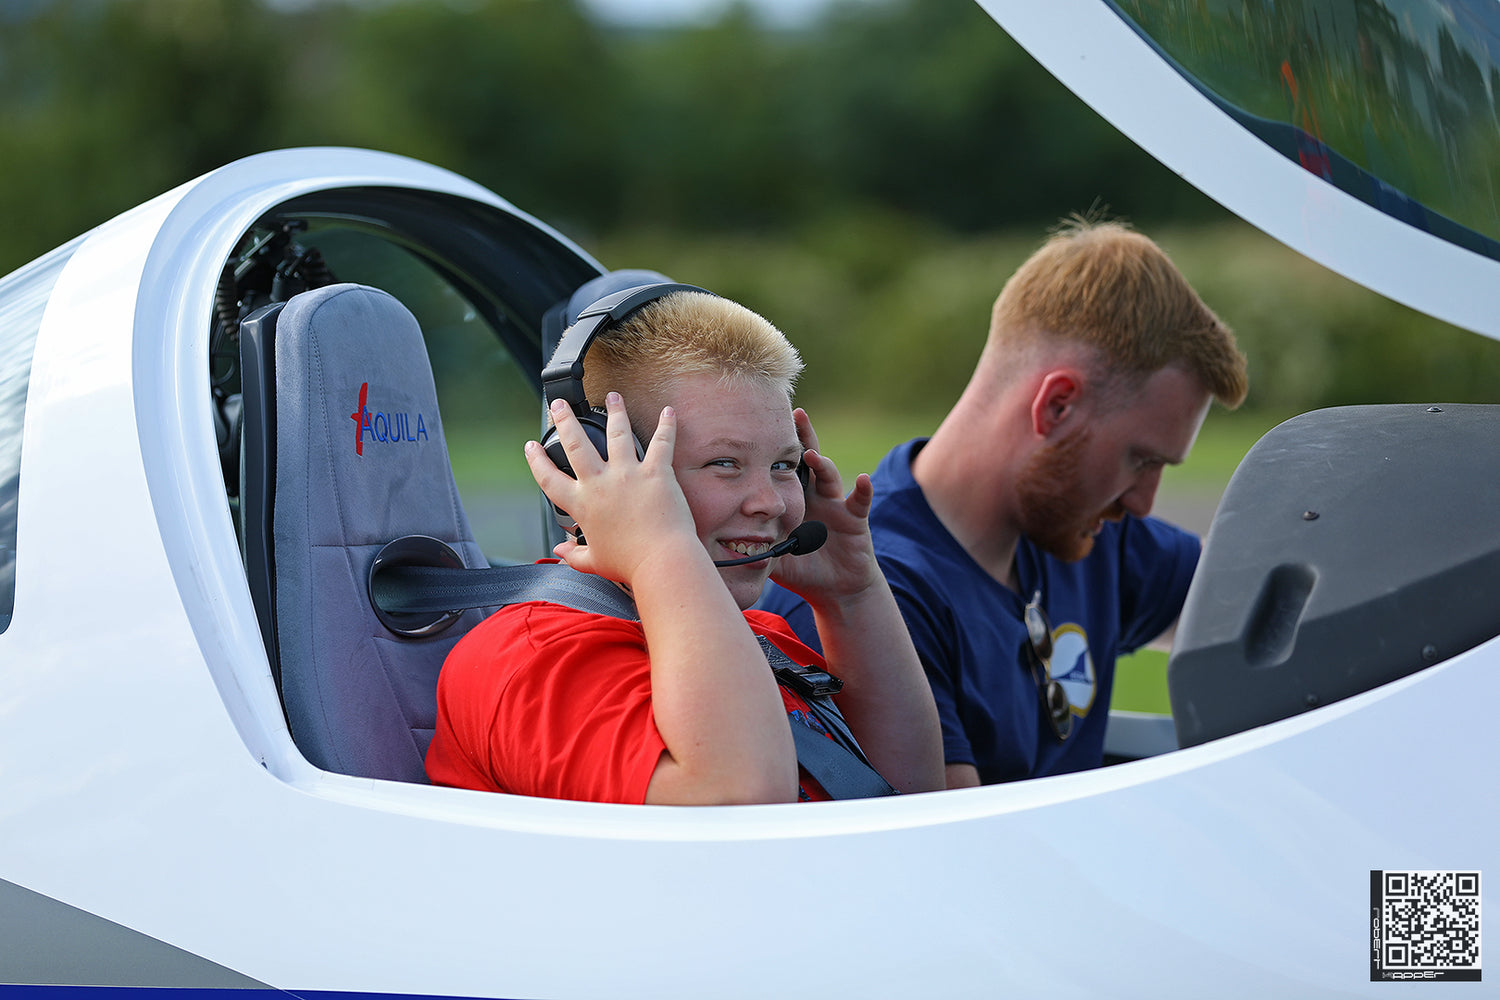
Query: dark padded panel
[(360, 459), (1353, 546)]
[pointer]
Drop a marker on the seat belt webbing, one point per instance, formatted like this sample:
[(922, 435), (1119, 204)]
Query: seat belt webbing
[(426, 589), (837, 764)]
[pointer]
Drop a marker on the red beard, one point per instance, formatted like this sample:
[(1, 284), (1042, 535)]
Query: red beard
[(1048, 491)]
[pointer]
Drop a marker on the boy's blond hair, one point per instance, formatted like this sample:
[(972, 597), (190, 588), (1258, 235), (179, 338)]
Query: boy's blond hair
[(683, 334)]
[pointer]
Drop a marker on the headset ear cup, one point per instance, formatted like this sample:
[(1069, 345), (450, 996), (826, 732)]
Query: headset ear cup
[(593, 429), (593, 424), (553, 445)]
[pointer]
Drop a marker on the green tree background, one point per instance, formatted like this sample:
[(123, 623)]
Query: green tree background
[(868, 180)]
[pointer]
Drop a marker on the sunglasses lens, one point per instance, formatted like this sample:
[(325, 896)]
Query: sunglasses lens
[(1058, 705), (1057, 699), (1054, 698), (1059, 709), (1039, 631)]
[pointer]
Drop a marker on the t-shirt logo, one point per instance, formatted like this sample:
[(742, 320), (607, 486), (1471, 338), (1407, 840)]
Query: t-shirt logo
[(1073, 667)]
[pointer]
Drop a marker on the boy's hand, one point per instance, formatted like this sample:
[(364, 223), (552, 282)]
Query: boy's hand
[(845, 566), (629, 511)]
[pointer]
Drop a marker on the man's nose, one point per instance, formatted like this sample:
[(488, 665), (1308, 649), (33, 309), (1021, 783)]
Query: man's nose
[(1138, 499)]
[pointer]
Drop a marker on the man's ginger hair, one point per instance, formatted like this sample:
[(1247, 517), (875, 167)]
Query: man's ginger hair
[(685, 334), (1111, 290)]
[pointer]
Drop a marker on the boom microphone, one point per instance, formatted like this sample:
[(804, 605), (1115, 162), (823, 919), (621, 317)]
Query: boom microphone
[(806, 537)]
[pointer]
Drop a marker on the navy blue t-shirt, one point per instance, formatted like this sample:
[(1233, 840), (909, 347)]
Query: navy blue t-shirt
[(968, 630)]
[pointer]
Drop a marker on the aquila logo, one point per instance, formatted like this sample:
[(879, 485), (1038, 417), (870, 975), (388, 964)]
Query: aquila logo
[(393, 428)]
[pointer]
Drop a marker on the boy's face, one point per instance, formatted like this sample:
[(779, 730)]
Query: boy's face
[(736, 460)]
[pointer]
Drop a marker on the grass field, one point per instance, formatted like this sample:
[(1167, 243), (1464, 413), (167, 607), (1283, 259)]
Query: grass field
[(1141, 683)]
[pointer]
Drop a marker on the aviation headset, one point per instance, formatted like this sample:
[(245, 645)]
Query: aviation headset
[(612, 299)]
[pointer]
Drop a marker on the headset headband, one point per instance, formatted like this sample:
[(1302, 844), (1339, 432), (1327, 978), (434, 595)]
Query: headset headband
[(563, 378)]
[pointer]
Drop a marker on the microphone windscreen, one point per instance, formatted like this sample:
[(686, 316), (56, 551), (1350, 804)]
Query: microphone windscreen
[(810, 536)]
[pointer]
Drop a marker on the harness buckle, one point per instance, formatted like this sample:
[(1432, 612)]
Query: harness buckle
[(809, 682)]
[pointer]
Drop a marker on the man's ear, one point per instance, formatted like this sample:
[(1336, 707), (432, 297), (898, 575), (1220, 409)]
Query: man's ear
[(1057, 400)]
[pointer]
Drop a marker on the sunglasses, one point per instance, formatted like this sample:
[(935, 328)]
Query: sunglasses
[(1039, 645)]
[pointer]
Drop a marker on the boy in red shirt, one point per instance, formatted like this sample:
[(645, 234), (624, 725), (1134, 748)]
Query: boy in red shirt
[(681, 707)]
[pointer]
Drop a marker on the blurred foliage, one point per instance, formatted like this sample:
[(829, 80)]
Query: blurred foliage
[(733, 126), (868, 181), (893, 314)]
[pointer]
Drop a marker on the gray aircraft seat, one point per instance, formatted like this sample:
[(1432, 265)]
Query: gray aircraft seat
[(343, 451)]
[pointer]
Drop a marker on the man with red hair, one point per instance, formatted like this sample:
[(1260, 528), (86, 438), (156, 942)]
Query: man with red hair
[(1017, 539)]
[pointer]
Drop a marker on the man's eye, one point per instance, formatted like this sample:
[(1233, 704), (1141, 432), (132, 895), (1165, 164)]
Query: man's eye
[(723, 463), (787, 466)]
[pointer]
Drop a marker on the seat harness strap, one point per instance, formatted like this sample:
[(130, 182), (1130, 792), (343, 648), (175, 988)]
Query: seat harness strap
[(411, 590), (837, 764)]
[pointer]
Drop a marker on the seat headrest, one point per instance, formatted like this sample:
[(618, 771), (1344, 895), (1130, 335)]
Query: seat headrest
[(565, 313), (355, 385), (594, 289)]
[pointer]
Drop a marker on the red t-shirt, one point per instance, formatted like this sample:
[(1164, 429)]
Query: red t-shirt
[(541, 699)]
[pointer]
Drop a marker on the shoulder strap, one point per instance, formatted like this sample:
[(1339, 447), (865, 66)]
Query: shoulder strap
[(841, 773), (427, 589), (837, 764)]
